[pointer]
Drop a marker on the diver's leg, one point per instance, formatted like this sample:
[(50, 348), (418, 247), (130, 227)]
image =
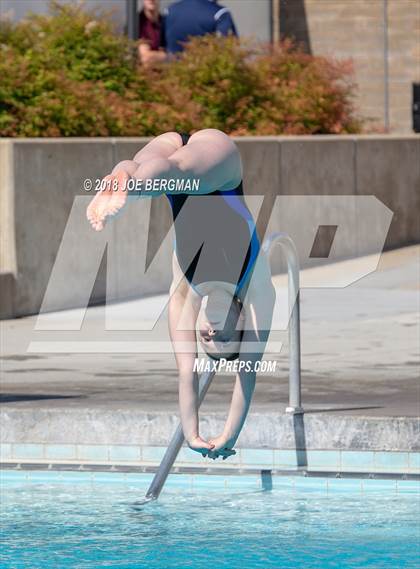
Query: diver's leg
[(114, 195), (210, 157)]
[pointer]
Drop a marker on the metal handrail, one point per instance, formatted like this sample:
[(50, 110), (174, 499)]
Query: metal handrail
[(289, 248), (294, 363)]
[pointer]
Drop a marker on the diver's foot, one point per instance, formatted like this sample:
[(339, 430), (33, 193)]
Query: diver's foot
[(108, 201)]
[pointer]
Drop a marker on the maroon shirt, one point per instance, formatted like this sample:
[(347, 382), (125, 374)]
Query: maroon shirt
[(150, 31)]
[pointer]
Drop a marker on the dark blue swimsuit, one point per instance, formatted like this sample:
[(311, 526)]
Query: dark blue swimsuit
[(215, 235)]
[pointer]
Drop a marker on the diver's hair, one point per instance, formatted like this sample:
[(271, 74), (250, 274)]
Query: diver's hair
[(236, 302), (236, 306), (229, 358)]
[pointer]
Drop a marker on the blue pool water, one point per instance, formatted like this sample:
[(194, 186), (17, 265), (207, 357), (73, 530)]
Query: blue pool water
[(60, 520)]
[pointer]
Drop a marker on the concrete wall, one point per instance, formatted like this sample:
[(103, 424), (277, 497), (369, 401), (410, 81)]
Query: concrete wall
[(41, 177), (376, 35)]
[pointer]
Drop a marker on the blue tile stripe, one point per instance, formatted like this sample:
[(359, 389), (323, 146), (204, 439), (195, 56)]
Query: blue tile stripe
[(61, 452), (394, 461), (414, 460), (257, 457), (199, 481), (29, 451), (328, 460), (5, 451), (353, 460), (124, 453)]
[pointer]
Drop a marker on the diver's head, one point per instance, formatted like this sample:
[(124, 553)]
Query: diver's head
[(220, 325)]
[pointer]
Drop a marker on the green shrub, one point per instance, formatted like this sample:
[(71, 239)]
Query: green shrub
[(219, 77), (71, 74), (82, 43)]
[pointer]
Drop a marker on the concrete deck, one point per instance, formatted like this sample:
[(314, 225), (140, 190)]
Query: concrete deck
[(360, 363)]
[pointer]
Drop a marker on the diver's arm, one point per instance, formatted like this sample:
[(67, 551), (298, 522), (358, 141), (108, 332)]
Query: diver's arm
[(183, 311), (239, 406), (188, 381), (259, 305)]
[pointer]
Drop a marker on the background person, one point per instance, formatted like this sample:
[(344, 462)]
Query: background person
[(195, 18), (151, 33)]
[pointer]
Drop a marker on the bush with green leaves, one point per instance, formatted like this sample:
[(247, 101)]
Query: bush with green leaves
[(70, 73)]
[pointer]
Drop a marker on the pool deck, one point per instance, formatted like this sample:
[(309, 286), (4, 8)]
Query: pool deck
[(360, 388)]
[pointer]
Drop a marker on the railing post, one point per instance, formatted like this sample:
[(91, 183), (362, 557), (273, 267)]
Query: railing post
[(286, 243)]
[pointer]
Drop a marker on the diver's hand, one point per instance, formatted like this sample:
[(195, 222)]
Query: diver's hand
[(108, 201), (222, 446), (200, 445)]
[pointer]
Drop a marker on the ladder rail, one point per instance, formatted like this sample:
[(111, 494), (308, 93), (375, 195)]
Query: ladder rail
[(292, 258)]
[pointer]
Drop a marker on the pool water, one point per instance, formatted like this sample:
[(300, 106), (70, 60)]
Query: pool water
[(60, 520)]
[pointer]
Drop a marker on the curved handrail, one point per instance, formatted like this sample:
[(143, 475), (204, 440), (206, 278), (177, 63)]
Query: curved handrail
[(290, 251)]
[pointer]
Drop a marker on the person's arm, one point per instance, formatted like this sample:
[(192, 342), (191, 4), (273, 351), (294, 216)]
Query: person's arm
[(183, 311), (239, 407), (149, 56), (258, 317), (224, 23)]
